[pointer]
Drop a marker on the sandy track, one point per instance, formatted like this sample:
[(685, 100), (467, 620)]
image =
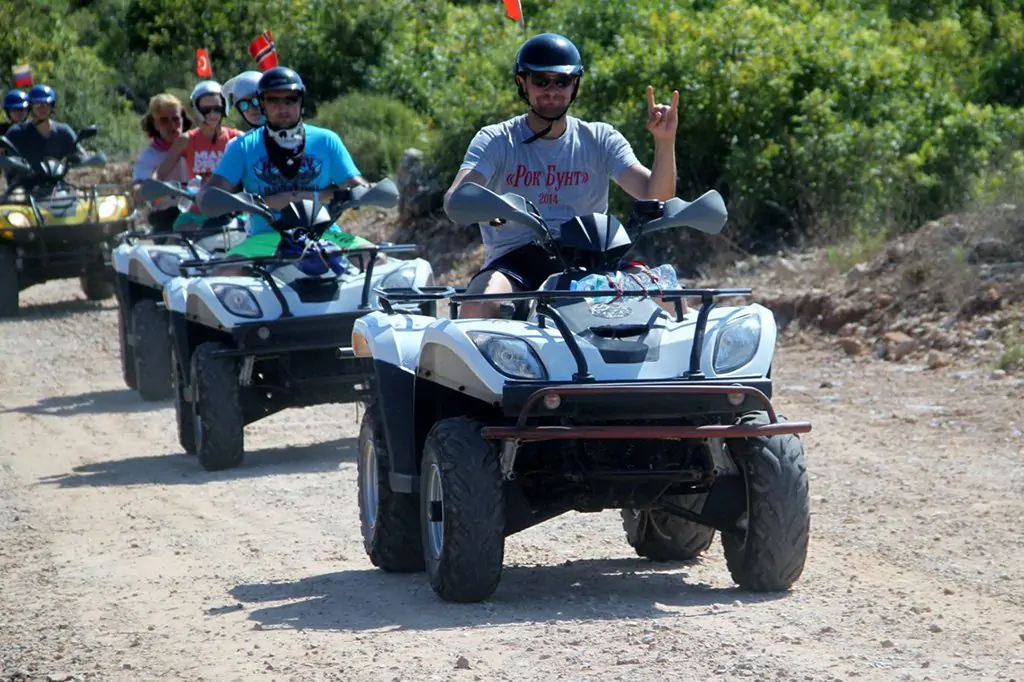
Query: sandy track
[(120, 559)]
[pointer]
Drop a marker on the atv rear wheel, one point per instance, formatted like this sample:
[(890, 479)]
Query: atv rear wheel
[(389, 521), (152, 351), (97, 281), (9, 288), (182, 410), (216, 412), (770, 555), (462, 511), (658, 535)]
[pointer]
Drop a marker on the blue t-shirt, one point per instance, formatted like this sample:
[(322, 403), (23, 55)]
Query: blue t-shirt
[(325, 162)]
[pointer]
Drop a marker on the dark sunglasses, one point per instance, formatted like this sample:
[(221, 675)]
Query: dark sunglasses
[(246, 104), (287, 99), (206, 111), (541, 80)]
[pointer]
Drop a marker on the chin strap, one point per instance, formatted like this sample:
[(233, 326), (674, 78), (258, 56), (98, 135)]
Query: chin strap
[(551, 124)]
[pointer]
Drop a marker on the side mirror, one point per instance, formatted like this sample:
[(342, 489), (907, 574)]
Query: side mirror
[(215, 202), (473, 203), (87, 132), (707, 214)]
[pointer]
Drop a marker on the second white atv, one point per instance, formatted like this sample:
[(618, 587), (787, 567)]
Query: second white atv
[(143, 263), (480, 428), (275, 332)]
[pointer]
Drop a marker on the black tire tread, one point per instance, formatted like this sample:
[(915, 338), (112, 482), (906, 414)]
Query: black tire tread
[(395, 545), (9, 287), (152, 351), (772, 558), (215, 387), (686, 539), (472, 558), (182, 410), (127, 352)]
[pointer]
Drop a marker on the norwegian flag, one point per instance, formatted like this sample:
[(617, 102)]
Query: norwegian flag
[(264, 50), (22, 76)]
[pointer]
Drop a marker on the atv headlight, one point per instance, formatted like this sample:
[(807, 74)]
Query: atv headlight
[(402, 278), (112, 207), (509, 355), (165, 262), (736, 343), (17, 219), (238, 300)]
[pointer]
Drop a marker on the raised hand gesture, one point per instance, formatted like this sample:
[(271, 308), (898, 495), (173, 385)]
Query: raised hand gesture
[(662, 119)]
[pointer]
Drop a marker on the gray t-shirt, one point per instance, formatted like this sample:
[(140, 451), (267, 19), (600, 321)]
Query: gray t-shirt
[(563, 177)]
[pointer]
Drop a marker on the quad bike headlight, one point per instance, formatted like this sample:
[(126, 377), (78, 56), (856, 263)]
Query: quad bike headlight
[(510, 355), (112, 207), (238, 300), (736, 343), (17, 219), (165, 262)]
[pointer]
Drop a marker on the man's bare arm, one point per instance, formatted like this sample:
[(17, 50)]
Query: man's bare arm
[(463, 176)]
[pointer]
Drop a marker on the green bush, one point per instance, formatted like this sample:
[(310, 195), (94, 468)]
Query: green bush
[(375, 129)]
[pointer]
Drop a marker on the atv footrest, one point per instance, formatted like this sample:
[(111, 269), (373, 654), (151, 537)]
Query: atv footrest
[(644, 432)]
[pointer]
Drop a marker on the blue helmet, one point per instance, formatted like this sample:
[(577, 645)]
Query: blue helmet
[(42, 94), (15, 99)]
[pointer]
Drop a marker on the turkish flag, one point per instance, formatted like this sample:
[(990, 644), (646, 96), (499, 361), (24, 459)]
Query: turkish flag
[(203, 68), (264, 50), (22, 76), (514, 9)]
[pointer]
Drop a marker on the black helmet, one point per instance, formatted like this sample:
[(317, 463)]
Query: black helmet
[(549, 52), (280, 78)]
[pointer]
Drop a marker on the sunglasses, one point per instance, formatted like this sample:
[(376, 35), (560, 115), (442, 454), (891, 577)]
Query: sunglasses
[(287, 99), (246, 104), (541, 80), (206, 111)]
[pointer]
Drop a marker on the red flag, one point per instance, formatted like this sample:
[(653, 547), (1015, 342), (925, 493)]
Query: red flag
[(264, 50), (203, 68), (514, 9), (22, 76)]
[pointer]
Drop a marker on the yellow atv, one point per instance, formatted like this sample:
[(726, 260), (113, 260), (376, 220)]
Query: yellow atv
[(50, 229)]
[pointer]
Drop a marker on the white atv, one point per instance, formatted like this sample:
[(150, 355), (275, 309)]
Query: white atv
[(481, 428), (143, 263), (276, 333)]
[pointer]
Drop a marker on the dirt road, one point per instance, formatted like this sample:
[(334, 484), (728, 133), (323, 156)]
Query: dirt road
[(120, 559)]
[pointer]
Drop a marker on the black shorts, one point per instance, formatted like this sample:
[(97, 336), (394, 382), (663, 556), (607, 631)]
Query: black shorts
[(527, 267)]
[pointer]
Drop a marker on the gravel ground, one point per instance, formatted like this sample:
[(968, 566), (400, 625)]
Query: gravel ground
[(120, 559)]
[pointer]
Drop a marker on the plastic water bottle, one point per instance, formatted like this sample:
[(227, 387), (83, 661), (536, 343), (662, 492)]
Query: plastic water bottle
[(664, 278), (193, 187)]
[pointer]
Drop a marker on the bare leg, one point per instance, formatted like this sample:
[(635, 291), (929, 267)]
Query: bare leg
[(486, 282)]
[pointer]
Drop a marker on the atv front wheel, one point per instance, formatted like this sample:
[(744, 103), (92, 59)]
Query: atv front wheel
[(97, 282), (216, 413), (769, 556), (152, 351), (462, 511), (389, 521), (182, 410), (658, 535), (127, 352), (9, 289)]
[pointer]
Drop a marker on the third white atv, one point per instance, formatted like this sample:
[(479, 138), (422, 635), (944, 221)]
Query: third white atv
[(481, 428), (143, 263), (276, 335)]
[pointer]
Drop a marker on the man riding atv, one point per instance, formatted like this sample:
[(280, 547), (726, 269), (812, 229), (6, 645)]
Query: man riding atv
[(285, 160), (560, 163), (40, 137)]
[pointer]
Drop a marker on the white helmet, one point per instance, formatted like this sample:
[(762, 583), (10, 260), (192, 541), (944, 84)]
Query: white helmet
[(243, 86), (206, 88)]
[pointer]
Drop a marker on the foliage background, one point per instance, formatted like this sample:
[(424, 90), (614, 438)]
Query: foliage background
[(819, 120)]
